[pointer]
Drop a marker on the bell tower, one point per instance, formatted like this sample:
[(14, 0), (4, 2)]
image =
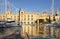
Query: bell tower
[(8, 12), (8, 15), (38, 12), (21, 11), (45, 14), (51, 12), (57, 13), (51, 15)]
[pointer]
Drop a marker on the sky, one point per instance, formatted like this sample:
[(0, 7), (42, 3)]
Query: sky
[(33, 5)]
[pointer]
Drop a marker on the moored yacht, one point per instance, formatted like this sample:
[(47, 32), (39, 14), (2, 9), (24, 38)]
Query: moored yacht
[(9, 29)]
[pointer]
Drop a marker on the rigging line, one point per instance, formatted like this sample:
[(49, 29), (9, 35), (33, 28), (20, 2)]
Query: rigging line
[(12, 5), (7, 4)]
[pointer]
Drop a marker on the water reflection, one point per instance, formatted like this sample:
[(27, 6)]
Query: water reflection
[(9, 28)]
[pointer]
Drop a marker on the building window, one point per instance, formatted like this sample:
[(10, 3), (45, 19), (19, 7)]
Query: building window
[(24, 18), (31, 15), (31, 22), (22, 12), (24, 22), (3, 16), (56, 14), (14, 17), (24, 15), (31, 18), (11, 17), (28, 22), (28, 19), (28, 15), (18, 17)]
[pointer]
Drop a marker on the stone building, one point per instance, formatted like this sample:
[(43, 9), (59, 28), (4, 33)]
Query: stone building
[(29, 17)]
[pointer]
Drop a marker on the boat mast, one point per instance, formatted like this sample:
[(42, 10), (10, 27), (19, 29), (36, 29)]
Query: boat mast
[(5, 5), (53, 5)]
